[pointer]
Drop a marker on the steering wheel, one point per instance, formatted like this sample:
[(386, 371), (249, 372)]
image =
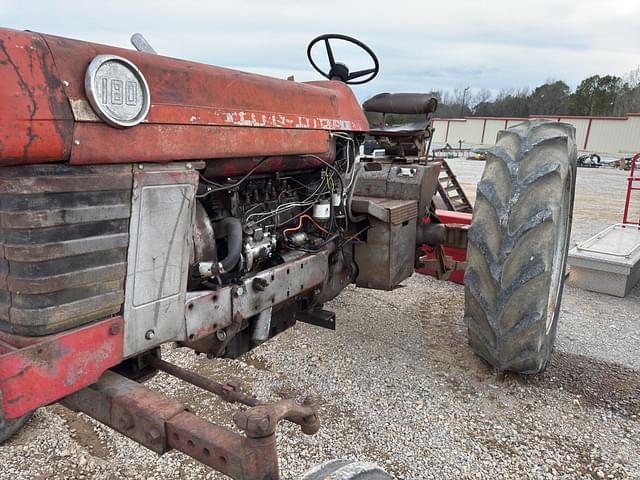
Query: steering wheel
[(339, 71)]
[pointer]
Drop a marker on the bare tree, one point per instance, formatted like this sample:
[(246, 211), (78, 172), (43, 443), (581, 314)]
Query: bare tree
[(483, 95)]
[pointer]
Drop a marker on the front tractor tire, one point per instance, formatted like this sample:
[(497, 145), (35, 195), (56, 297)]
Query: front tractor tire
[(518, 242), (346, 470), (8, 428)]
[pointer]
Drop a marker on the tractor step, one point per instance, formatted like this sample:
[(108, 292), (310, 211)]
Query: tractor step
[(451, 191)]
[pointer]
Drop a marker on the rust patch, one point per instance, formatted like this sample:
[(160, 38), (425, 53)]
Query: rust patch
[(28, 92)]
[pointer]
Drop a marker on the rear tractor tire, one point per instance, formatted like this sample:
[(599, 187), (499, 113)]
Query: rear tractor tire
[(10, 427), (346, 470), (518, 244)]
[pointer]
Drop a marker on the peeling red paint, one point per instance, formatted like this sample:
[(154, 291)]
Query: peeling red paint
[(58, 365), (35, 117)]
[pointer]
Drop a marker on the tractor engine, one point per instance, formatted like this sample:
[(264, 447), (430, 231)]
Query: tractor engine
[(276, 241)]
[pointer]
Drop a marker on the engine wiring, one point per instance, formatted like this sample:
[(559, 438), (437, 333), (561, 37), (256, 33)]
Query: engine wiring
[(351, 162), (233, 185), (328, 181), (307, 202), (341, 192), (336, 184)]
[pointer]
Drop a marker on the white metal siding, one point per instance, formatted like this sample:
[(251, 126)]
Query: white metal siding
[(581, 124), (491, 131), (441, 130), (467, 132), (613, 135)]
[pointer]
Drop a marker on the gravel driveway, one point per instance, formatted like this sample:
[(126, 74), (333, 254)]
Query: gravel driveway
[(399, 387)]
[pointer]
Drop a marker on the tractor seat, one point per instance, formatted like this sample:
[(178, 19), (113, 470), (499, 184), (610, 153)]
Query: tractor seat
[(401, 103)]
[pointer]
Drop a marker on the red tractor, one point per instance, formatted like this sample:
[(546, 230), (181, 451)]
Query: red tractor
[(146, 200)]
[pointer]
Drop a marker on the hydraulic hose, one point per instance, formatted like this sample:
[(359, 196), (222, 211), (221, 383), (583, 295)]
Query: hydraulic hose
[(232, 229)]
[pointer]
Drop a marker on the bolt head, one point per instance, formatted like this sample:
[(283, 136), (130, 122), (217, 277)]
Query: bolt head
[(126, 422), (150, 335), (264, 424), (114, 329), (258, 425), (153, 435), (221, 335)]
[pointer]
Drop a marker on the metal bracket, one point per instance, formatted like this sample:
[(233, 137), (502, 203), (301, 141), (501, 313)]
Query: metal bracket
[(319, 318), (261, 421), (442, 264)]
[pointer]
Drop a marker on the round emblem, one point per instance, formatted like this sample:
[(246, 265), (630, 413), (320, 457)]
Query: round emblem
[(117, 91)]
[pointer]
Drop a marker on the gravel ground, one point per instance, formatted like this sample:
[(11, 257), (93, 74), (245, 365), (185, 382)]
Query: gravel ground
[(399, 387)]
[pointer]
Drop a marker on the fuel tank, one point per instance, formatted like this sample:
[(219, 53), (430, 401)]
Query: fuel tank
[(194, 111)]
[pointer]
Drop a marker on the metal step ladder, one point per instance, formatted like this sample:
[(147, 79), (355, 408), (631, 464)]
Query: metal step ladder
[(451, 191)]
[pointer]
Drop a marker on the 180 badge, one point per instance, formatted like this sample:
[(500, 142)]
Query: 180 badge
[(117, 91)]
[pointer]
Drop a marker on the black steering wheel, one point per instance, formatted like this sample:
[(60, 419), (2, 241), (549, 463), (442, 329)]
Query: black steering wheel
[(339, 71)]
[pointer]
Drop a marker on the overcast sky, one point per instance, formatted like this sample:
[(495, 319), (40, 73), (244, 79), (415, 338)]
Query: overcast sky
[(422, 45)]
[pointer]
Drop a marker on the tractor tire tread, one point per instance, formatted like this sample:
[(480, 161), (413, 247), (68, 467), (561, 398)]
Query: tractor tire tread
[(512, 243)]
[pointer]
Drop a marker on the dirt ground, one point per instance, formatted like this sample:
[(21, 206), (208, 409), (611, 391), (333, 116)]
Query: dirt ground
[(400, 388)]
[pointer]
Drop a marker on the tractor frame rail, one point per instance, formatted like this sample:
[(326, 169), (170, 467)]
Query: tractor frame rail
[(161, 423)]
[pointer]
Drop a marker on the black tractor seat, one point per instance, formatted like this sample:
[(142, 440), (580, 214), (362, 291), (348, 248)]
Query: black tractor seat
[(408, 139)]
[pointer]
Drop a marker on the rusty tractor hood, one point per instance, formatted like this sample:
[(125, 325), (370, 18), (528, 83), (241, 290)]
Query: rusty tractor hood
[(196, 111)]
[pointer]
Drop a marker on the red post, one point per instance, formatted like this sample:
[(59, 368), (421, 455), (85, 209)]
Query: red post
[(632, 178), (586, 137)]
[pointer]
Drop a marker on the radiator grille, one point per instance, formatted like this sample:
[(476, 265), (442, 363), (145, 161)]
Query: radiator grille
[(63, 245)]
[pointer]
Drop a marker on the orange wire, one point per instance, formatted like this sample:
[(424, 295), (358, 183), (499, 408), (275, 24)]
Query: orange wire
[(293, 229), (303, 217)]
